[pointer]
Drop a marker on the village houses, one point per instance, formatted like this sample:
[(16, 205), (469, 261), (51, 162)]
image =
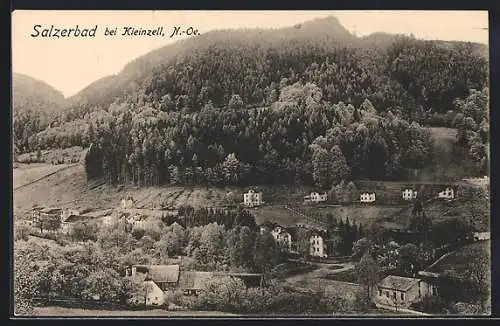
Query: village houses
[(252, 198), (367, 197), (400, 291)]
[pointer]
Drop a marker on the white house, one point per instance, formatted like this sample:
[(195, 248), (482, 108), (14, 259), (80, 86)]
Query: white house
[(447, 193), (317, 247), (316, 197), (367, 197), (252, 198), (282, 237), (409, 194), (481, 236), (400, 291), (150, 295)]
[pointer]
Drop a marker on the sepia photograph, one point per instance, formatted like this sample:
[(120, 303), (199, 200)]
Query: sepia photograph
[(250, 164)]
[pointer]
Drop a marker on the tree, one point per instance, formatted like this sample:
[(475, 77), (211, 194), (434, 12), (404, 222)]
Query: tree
[(302, 242), (408, 259), (235, 102), (104, 284), (25, 280), (362, 247), (340, 169), (244, 218), (83, 231), (266, 254), (223, 294), (368, 273), (233, 171), (322, 167), (480, 276)]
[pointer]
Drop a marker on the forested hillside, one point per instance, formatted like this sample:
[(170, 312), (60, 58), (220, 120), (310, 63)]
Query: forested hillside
[(34, 102), (310, 104)]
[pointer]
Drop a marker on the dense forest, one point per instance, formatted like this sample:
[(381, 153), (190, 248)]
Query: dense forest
[(311, 104)]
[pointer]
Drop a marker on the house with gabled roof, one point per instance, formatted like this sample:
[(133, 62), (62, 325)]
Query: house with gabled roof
[(165, 276), (252, 198), (193, 282), (401, 291)]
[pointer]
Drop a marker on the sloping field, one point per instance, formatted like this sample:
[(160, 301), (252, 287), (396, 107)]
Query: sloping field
[(476, 212), (459, 261), (66, 186), (24, 174)]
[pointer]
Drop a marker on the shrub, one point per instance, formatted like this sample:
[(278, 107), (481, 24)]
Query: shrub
[(432, 305)]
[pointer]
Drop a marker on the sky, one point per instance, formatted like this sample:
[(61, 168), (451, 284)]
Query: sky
[(71, 64)]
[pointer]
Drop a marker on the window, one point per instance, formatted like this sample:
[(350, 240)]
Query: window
[(394, 295), (379, 293), (387, 294), (402, 296), (156, 298)]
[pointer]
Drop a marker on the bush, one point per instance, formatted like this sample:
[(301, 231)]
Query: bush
[(22, 232), (432, 305)]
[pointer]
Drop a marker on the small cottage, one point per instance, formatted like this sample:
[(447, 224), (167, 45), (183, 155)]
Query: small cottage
[(409, 194), (400, 291), (150, 294), (252, 198), (316, 197), (447, 193), (367, 197)]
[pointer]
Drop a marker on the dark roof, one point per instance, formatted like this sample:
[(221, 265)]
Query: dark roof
[(398, 282), (162, 273), (191, 280)]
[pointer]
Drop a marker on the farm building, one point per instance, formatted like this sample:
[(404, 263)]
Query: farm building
[(192, 282), (316, 197), (447, 193), (409, 194), (165, 276), (402, 291), (38, 212), (252, 198), (367, 197)]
